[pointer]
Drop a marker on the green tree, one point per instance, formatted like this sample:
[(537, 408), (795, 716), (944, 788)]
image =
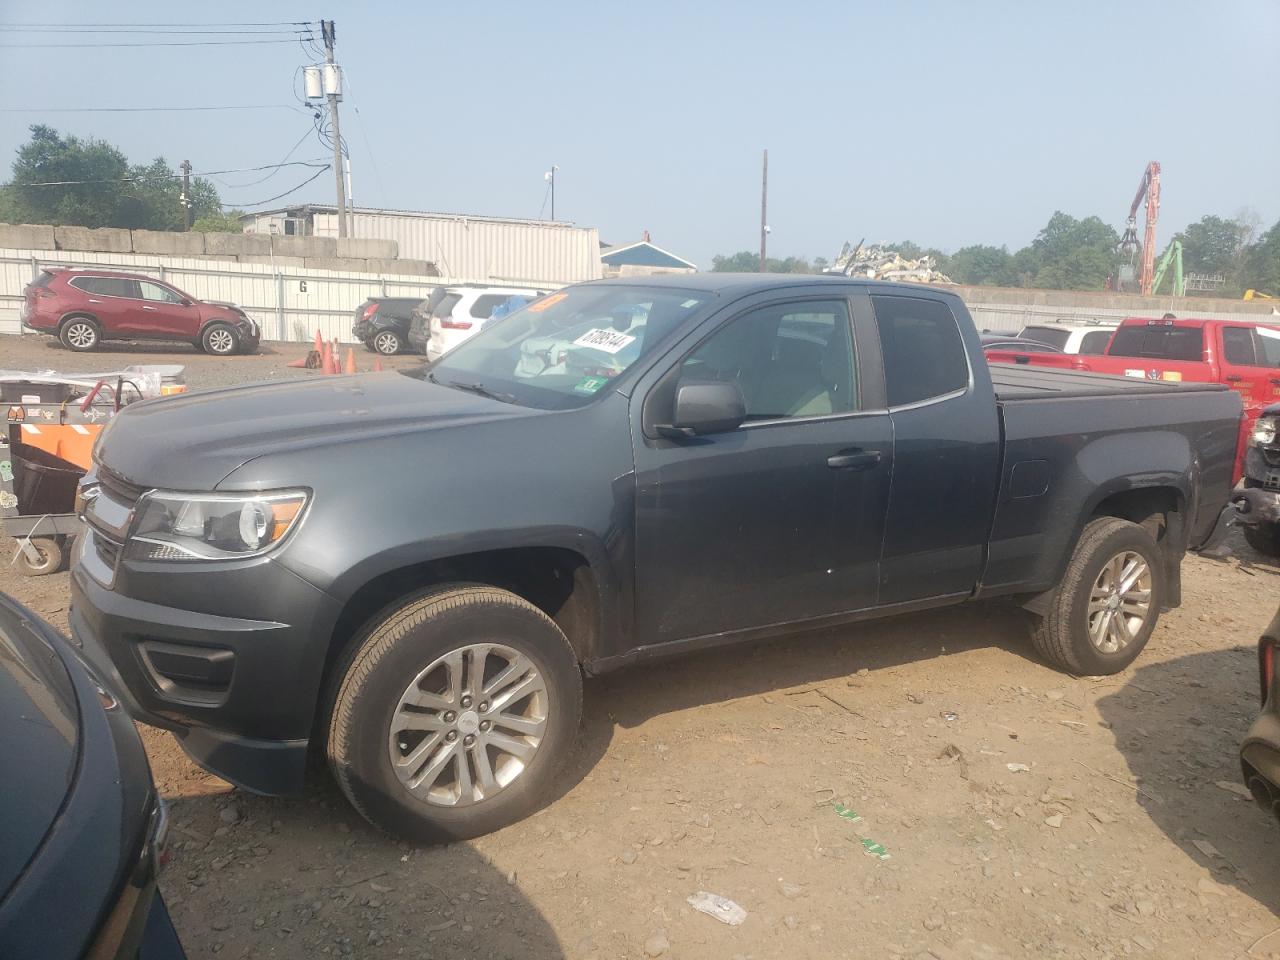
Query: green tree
[(981, 265), (744, 261), (1212, 245), (1260, 269), (90, 183), (1069, 254), (222, 222)]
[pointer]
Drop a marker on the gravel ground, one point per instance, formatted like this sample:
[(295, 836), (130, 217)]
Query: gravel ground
[(1024, 812)]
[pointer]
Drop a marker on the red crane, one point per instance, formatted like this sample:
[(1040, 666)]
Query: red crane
[(1149, 187)]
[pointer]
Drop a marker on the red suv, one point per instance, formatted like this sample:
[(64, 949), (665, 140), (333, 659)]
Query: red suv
[(84, 307)]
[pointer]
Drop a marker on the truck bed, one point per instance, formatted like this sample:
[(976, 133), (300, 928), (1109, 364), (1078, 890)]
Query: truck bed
[(1013, 383)]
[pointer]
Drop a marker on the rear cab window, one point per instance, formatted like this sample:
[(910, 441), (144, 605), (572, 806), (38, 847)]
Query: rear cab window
[(1159, 340), (924, 356)]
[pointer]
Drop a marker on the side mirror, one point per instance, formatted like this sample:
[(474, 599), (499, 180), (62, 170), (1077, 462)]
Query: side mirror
[(705, 406), (185, 302)]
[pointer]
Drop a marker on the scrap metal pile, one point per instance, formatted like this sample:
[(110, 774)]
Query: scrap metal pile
[(881, 263)]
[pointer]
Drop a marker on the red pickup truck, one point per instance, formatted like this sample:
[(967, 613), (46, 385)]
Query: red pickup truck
[(1242, 354)]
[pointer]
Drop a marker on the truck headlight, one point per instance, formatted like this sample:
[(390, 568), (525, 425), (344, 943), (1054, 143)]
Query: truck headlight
[(1264, 431), (180, 526)]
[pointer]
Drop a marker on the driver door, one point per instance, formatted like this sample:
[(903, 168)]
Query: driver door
[(780, 519)]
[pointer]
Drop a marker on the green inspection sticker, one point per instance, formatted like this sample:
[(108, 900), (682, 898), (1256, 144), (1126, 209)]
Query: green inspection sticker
[(590, 384)]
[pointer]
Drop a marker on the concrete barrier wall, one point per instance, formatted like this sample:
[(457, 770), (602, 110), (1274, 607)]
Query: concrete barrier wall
[(1008, 309), (161, 242), (289, 300)]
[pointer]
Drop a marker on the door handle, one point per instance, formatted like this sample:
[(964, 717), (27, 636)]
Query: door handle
[(91, 300), (854, 460), (148, 308)]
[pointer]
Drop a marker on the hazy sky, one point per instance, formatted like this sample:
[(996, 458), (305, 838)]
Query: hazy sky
[(944, 123)]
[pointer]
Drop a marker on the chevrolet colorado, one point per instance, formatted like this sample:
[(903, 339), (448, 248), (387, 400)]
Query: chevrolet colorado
[(410, 573)]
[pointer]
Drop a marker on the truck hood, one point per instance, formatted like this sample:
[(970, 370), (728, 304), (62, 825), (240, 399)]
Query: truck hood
[(192, 441)]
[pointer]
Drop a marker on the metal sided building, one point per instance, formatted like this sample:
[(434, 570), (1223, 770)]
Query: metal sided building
[(465, 248)]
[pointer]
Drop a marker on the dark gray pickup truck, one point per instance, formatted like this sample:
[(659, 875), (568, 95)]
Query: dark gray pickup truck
[(411, 573)]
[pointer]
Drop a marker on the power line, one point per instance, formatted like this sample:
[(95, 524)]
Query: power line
[(289, 191), (163, 33), (254, 183), (169, 176), (124, 26), (166, 43), (247, 106)]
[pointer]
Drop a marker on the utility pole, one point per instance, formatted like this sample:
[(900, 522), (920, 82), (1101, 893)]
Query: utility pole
[(334, 91), (550, 177), (186, 195), (764, 211)]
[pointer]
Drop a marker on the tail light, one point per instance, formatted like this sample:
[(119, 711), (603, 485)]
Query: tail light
[(369, 311), (1266, 665), (448, 323)]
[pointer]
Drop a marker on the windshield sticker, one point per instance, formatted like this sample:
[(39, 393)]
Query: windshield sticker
[(689, 303), (610, 341), (539, 305), (590, 384)]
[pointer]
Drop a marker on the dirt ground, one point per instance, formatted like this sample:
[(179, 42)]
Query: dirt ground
[(1024, 812)]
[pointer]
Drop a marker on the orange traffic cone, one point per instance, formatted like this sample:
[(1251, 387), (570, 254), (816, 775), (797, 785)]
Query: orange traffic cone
[(299, 364), (350, 365), (319, 342), (377, 364), (326, 363)]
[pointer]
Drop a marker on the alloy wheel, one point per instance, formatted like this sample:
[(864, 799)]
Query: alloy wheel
[(386, 343), (221, 341), (81, 334), (468, 725), (1119, 602)]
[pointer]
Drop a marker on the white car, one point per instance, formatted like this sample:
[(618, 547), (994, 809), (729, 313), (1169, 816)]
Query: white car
[(462, 313), (1088, 338)]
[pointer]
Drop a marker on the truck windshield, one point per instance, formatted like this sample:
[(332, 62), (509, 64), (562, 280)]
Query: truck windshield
[(561, 350)]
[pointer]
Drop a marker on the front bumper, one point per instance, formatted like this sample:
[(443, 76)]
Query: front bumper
[(239, 694)]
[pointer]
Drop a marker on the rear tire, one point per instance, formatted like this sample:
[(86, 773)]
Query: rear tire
[(467, 765), (1263, 537), (51, 556), (80, 334), (388, 343), (1098, 622), (219, 339)]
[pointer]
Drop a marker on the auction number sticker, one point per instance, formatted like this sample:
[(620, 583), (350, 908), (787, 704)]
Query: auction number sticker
[(610, 341)]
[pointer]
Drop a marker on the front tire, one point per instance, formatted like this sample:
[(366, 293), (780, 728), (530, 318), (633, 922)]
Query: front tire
[(388, 343), (454, 713), (1263, 537), (219, 339), (80, 334), (1103, 612)]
